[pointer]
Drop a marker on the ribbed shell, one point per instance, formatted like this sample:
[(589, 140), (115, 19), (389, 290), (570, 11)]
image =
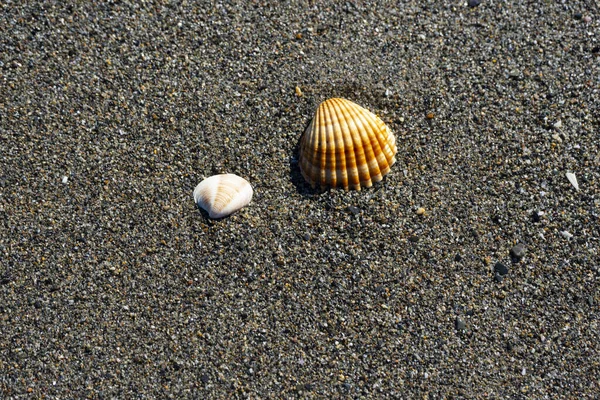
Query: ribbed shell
[(223, 194), (346, 146)]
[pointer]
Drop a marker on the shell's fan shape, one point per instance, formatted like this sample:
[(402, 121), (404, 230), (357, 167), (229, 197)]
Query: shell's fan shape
[(346, 146), (223, 194)]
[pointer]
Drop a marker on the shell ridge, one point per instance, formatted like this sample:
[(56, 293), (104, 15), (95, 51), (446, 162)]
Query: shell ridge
[(348, 148), (333, 134), (214, 198), (317, 163), (392, 145), (386, 139), (232, 199), (321, 150), (220, 196), (338, 168), (369, 171), (378, 143), (381, 136), (365, 152), (309, 149), (223, 199)]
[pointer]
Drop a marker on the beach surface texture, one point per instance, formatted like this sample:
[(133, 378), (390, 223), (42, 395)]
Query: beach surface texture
[(470, 271)]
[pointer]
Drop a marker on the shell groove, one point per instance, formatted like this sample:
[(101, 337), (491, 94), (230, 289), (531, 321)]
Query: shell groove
[(346, 146), (222, 195)]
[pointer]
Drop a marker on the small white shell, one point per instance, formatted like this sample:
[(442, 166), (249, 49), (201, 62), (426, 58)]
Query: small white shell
[(223, 194), (573, 179), (567, 235)]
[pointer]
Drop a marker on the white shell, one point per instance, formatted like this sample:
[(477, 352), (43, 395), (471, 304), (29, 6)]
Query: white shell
[(223, 194), (573, 179), (567, 235)]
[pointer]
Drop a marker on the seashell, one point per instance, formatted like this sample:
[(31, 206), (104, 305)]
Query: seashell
[(573, 179), (566, 234), (346, 146), (223, 194)]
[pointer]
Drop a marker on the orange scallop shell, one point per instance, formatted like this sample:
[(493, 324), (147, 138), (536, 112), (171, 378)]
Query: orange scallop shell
[(346, 146)]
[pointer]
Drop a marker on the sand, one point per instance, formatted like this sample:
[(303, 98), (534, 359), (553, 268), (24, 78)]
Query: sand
[(114, 284)]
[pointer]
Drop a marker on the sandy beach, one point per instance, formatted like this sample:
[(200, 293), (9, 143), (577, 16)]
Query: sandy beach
[(114, 284)]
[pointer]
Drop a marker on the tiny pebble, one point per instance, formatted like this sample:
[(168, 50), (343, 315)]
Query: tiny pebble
[(518, 251), (298, 91), (474, 3), (430, 115), (420, 211), (354, 210), (460, 324), (578, 16), (587, 19), (457, 257), (501, 269), (65, 179)]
